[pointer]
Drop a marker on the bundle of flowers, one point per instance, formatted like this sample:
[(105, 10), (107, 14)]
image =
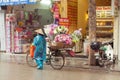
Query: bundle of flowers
[(65, 38), (56, 29), (59, 35), (60, 30), (53, 30), (49, 30), (76, 35)]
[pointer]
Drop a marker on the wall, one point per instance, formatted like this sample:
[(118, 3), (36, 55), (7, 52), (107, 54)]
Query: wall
[(82, 9)]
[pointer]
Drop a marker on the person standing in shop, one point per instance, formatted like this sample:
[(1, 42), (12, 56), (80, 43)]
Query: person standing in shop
[(40, 48)]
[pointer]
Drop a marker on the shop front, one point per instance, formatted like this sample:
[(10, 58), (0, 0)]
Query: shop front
[(98, 20), (19, 19), (101, 25), (110, 20), (3, 8)]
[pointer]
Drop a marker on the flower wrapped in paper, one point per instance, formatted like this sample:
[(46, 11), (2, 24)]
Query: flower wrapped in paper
[(60, 37), (65, 38), (76, 35), (53, 30), (60, 30)]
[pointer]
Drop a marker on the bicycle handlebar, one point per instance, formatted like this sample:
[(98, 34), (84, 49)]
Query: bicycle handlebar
[(111, 41)]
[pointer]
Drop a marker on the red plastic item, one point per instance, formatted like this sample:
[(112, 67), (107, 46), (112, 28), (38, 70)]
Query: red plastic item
[(71, 53), (32, 49), (19, 29)]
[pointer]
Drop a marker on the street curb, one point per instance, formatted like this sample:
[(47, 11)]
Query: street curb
[(21, 59), (91, 68)]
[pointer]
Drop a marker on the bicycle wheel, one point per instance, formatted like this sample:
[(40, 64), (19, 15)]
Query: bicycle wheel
[(30, 61), (57, 60)]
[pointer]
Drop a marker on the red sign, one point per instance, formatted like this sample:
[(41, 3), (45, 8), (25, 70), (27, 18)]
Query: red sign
[(103, 8), (106, 8), (64, 21)]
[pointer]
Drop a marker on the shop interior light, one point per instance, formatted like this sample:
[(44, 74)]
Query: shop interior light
[(86, 16), (45, 2)]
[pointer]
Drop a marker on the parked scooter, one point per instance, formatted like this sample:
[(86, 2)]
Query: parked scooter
[(103, 53)]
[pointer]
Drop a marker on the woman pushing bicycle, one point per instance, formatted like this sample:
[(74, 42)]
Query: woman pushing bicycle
[(39, 43)]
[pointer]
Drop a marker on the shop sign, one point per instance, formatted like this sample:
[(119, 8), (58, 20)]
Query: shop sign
[(64, 21), (103, 12), (16, 2)]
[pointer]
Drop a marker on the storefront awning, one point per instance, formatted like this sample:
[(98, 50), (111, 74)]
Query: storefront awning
[(16, 2)]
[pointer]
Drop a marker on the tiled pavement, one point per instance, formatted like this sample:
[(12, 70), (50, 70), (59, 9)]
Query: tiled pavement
[(76, 62)]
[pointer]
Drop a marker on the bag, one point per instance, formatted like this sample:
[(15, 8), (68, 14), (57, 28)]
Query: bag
[(71, 53), (32, 49)]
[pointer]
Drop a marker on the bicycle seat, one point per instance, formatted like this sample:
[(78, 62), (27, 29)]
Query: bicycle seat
[(95, 45)]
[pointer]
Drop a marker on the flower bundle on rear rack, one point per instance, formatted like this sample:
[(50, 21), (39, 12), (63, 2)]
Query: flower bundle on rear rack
[(59, 36)]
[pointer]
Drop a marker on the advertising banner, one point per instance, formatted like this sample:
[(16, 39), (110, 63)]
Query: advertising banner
[(16, 2)]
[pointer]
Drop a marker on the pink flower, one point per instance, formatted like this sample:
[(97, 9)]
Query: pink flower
[(63, 38)]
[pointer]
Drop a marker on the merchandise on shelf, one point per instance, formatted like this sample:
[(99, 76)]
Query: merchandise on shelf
[(17, 42), (104, 22), (8, 43), (10, 24), (20, 27)]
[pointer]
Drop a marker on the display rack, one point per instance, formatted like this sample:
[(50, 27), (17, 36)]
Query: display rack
[(104, 27), (104, 23)]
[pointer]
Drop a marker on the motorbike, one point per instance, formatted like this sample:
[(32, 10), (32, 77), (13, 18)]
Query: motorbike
[(103, 53)]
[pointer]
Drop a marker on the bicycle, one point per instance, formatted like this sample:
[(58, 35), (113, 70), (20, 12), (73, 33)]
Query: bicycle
[(55, 57)]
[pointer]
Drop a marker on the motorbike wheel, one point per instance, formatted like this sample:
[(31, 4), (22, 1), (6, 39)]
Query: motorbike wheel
[(100, 62)]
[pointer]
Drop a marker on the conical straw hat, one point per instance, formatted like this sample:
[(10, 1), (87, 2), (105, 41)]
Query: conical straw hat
[(39, 31)]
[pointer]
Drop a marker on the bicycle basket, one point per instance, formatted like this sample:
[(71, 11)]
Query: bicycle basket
[(62, 45)]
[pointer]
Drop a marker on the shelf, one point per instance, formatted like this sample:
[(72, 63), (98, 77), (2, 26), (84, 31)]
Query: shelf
[(104, 19), (104, 32), (104, 35), (106, 39), (105, 26)]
